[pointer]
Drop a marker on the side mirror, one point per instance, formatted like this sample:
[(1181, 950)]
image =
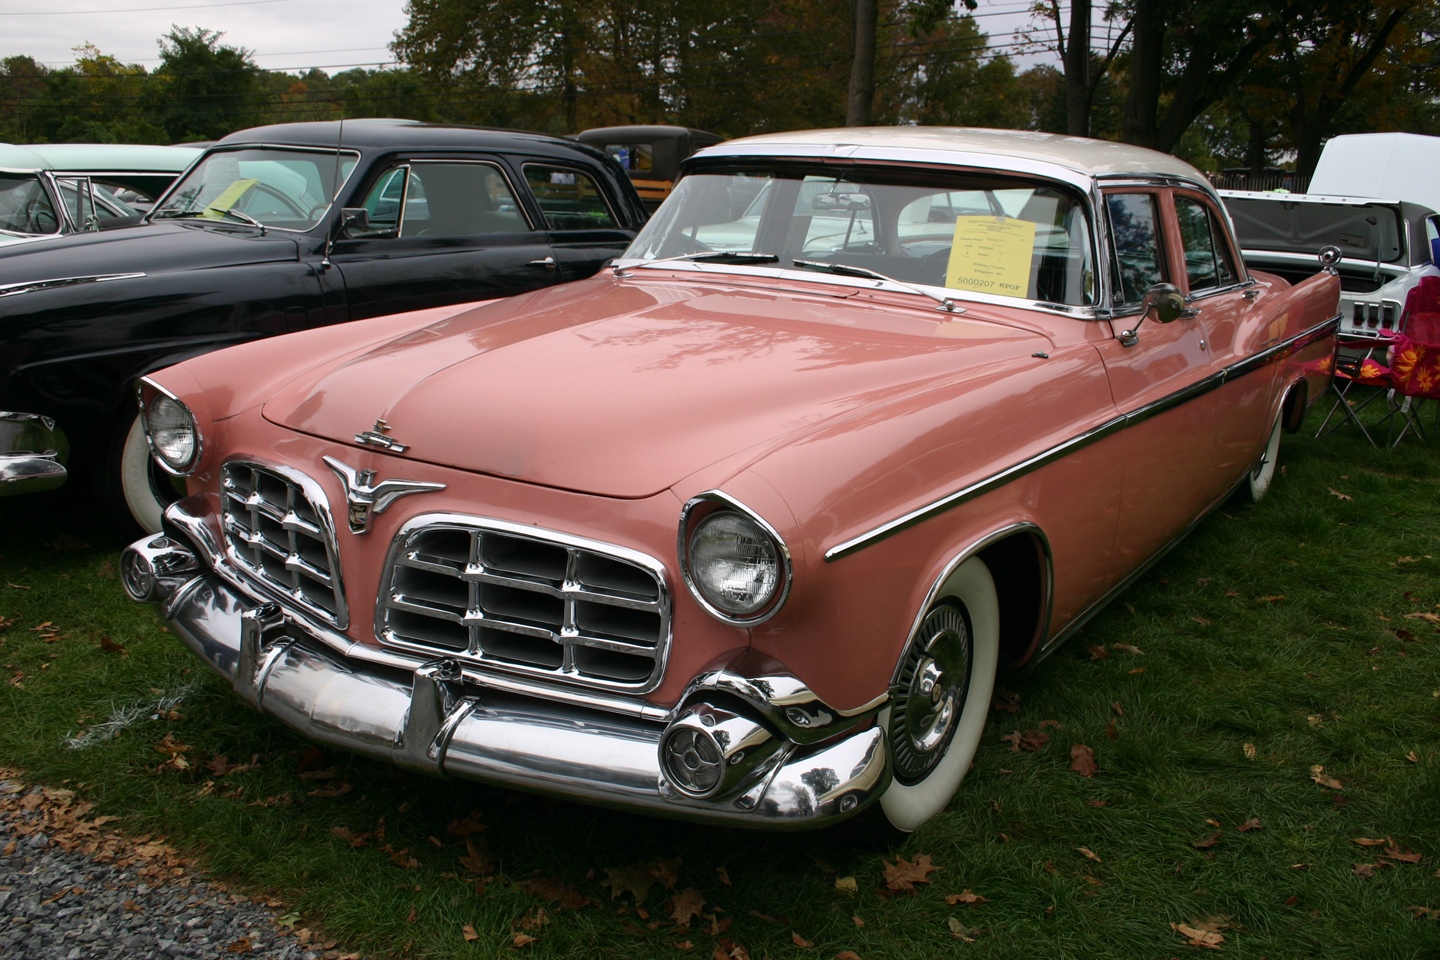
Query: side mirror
[(1165, 303), (355, 220)]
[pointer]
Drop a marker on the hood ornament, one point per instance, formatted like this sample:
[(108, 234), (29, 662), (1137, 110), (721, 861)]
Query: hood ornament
[(375, 437), (364, 496)]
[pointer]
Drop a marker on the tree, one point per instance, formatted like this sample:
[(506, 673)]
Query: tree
[(1084, 70), (205, 90), (862, 70)]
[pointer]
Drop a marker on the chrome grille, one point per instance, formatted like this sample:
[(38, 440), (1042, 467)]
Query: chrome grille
[(278, 529), (526, 601)]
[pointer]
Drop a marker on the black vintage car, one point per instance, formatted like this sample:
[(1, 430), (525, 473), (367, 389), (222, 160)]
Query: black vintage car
[(278, 229)]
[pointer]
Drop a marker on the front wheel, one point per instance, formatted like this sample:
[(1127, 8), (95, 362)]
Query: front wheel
[(132, 489), (934, 722)]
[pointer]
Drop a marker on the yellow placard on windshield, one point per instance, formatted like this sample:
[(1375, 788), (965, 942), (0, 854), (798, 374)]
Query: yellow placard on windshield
[(991, 255), (227, 199)]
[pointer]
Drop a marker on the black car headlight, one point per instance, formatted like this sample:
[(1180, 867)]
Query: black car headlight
[(734, 563), (174, 438)]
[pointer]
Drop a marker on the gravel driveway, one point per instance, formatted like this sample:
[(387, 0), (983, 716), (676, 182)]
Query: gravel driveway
[(70, 890)]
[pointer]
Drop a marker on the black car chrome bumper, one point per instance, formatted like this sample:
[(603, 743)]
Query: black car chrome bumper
[(761, 752), (31, 452)]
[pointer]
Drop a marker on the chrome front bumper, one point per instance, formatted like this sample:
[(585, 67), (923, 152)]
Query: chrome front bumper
[(438, 719), (31, 452)]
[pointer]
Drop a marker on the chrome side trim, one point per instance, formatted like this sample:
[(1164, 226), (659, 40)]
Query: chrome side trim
[(29, 286), (682, 550), (1271, 354), (992, 482)]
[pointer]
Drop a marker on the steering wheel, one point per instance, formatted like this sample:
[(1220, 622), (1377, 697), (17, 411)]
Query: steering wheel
[(291, 204)]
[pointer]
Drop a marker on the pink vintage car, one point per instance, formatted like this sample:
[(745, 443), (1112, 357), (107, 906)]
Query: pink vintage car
[(742, 529)]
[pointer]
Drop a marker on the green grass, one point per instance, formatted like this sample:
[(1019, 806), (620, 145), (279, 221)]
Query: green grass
[(1255, 674)]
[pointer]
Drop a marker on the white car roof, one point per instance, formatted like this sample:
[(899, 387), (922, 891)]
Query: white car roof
[(1078, 155)]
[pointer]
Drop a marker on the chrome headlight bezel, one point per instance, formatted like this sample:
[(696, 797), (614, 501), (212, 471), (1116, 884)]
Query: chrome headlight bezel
[(700, 508), (149, 395)]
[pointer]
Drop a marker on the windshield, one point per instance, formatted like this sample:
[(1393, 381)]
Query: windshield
[(286, 189), (25, 207), (952, 231)]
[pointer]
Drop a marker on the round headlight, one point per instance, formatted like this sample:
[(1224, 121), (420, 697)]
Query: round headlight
[(171, 429), (734, 563)]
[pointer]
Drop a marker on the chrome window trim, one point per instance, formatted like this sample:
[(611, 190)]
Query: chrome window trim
[(413, 162), (604, 198), (28, 286), (483, 668), (195, 457), (316, 495), (336, 151), (1396, 270), (682, 549), (934, 508), (995, 536)]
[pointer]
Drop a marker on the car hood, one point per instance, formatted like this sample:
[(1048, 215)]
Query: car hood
[(146, 248), (624, 389)]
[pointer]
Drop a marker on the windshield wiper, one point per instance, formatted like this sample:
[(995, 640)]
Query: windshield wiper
[(245, 217), (946, 304), (733, 256)]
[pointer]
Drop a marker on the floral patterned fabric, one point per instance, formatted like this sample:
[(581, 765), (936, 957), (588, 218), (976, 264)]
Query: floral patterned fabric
[(1422, 311), (1415, 369)]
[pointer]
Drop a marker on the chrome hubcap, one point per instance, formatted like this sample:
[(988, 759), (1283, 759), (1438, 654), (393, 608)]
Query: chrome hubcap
[(931, 694)]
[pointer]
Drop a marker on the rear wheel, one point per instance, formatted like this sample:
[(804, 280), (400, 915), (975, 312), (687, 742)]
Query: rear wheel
[(934, 723), (1257, 481)]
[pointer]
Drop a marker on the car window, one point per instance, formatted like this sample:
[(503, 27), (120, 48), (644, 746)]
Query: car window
[(1432, 238), (1207, 262), (457, 200), (1134, 229), (25, 207), (569, 199), (285, 189), (981, 233), (633, 156)]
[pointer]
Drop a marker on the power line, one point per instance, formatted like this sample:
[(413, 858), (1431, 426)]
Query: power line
[(93, 13)]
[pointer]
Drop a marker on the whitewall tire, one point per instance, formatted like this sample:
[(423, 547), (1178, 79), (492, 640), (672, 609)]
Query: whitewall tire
[(135, 480), (1258, 480), (934, 723)]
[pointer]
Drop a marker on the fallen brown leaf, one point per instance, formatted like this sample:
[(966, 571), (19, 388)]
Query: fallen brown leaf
[(858, 921), (1049, 723), (847, 955), (477, 860), (1366, 870), (557, 891), (1089, 853), (1252, 824), (1208, 841), (1138, 670), (1005, 700), (724, 876), (966, 897), (1082, 760), (1199, 938), (350, 837), (239, 946), (903, 875), (800, 941), (1369, 842), (464, 826), (1098, 803), (959, 931), (1338, 495), (1249, 749), (1098, 652), (1203, 622), (1119, 710), (1129, 648), (1411, 757), (522, 940), (847, 886), (1032, 740), (1392, 852), (686, 906)]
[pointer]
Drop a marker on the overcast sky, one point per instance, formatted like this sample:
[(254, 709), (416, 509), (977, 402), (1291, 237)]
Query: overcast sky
[(287, 35)]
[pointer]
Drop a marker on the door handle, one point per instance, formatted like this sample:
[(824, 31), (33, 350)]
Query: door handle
[(548, 263), (1251, 294)]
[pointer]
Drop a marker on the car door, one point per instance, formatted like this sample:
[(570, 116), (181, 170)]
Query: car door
[(583, 226), (441, 232), (1163, 384), (1222, 300)]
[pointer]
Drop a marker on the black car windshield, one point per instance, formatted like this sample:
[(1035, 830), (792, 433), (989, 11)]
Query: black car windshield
[(979, 234), (288, 189)]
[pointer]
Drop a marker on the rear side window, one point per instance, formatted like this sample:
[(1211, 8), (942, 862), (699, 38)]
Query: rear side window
[(457, 200), (1134, 230), (1207, 261), (570, 200)]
